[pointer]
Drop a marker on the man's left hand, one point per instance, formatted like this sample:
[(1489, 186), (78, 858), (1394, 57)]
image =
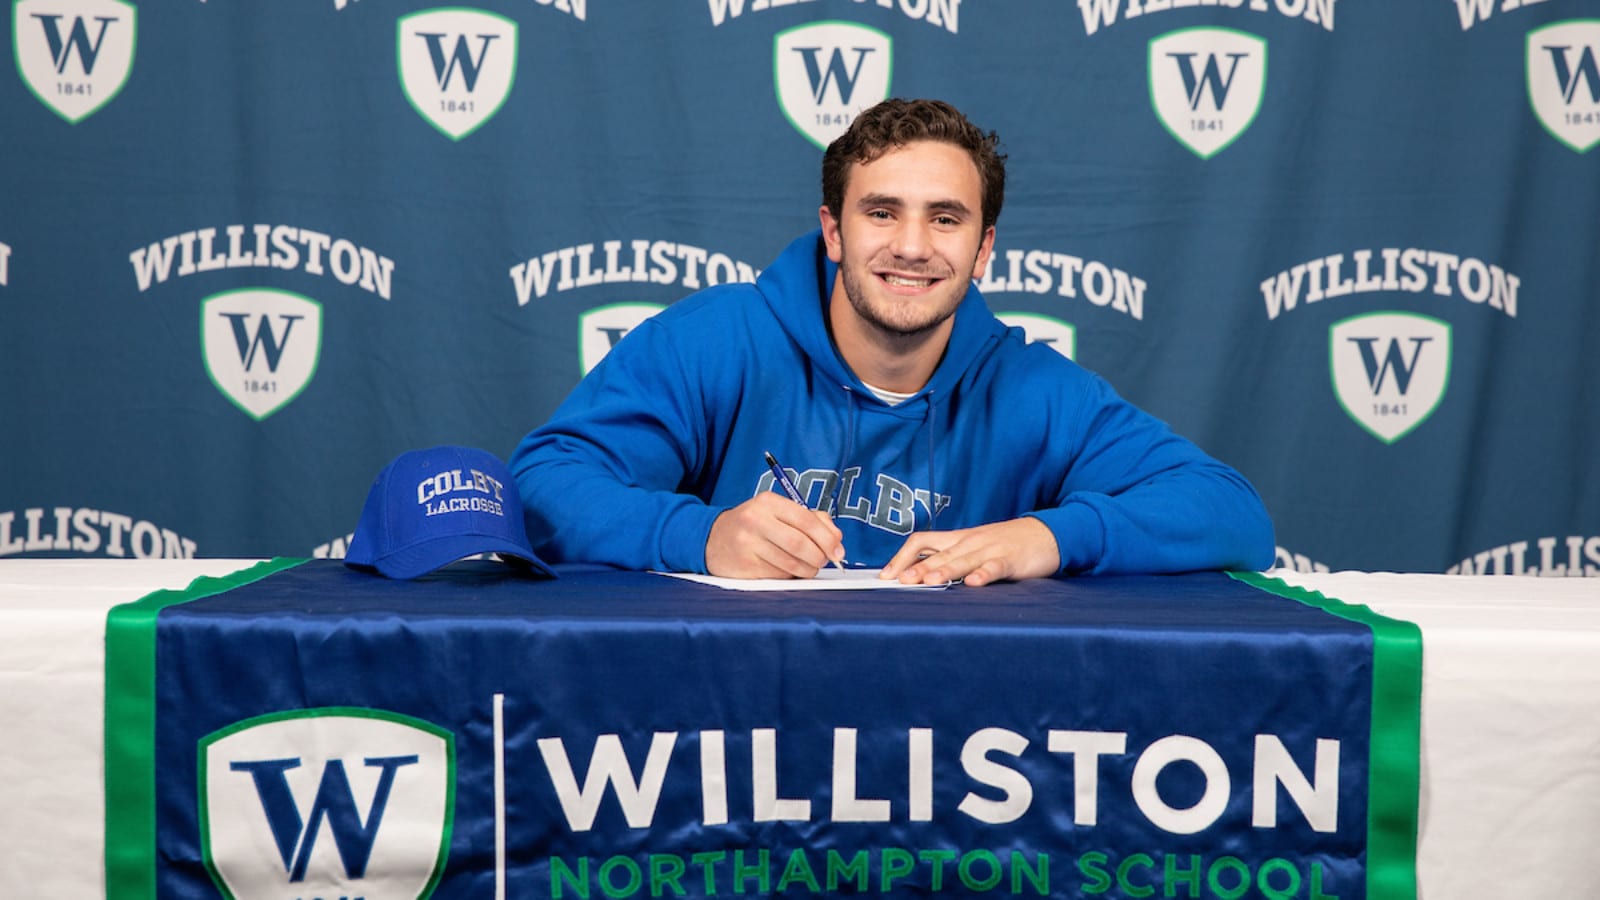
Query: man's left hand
[(1003, 551)]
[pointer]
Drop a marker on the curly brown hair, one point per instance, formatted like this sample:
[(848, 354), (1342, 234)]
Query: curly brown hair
[(895, 123)]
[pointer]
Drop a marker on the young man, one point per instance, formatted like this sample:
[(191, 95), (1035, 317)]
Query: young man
[(924, 435)]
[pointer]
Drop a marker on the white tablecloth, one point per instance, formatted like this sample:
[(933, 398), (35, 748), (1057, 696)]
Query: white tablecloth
[(1510, 727), (1510, 721)]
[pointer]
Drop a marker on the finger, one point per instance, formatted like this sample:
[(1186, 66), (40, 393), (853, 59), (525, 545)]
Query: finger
[(784, 564), (814, 528), (800, 544), (933, 570), (756, 557), (915, 547), (834, 549), (760, 565), (932, 559), (954, 563), (988, 573)]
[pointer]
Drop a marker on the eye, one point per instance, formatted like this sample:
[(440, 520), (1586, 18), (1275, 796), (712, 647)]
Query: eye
[(882, 214)]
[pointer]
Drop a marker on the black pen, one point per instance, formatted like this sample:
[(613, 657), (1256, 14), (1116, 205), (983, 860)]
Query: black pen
[(789, 488)]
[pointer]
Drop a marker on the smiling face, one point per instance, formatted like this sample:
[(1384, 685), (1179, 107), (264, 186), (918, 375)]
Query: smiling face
[(909, 239)]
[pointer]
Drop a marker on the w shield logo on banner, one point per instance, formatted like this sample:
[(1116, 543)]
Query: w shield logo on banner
[(261, 346), (457, 66), (826, 72), (600, 328), (74, 55), (1564, 80), (1390, 370), (1206, 85), (1052, 332), (338, 802)]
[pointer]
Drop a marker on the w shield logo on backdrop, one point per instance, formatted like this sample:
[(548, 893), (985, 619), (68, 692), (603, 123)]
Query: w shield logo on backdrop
[(261, 346), (75, 55), (1564, 80), (1390, 370), (337, 802), (457, 66), (600, 328), (1052, 332), (1206, 85), (826, 72)]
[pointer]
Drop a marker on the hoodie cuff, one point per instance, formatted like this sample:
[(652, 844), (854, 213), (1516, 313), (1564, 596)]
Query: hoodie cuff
[(1080, 535), (683, 537)]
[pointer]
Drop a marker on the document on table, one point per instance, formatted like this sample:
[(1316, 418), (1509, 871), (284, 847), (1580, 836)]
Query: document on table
[(825, 580)]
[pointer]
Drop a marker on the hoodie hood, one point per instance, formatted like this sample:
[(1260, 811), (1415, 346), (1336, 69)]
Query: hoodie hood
[(798, 287)]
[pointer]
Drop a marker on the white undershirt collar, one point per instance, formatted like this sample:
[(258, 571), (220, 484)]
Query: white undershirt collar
[(893, 398)]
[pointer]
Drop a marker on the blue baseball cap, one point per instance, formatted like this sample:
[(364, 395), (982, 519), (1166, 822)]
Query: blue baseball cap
[(429, 508)]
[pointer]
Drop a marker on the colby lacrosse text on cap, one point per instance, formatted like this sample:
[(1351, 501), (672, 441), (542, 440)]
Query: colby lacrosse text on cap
[(429, 508)]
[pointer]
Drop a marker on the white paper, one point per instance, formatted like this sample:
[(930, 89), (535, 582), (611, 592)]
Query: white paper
[(828, 579)]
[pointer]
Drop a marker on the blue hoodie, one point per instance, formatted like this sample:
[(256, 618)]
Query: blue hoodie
[(669, 431)]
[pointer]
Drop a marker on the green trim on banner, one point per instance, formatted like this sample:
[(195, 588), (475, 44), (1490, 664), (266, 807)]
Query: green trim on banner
[(130, 727), (1396, 739)]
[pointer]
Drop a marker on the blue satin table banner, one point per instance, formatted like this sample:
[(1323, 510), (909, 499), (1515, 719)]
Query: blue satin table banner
[(303, 730)]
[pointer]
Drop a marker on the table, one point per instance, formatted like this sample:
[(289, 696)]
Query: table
[(1511, 720)]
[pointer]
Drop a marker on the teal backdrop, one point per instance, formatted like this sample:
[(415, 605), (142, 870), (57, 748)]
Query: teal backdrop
[(250, 252)]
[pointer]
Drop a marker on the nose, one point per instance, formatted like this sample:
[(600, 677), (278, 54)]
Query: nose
[(911, 239)]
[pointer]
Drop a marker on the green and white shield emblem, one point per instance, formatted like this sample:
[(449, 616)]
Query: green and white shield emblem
[(1059, 336), (261, 346), (1563, 62), (456, 66), (1390, 370), (75, 55), (826, 72), (1206, 85), (331, 802), (600, 328)]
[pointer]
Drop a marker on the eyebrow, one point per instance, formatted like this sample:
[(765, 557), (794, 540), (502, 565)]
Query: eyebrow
[(949, 205)]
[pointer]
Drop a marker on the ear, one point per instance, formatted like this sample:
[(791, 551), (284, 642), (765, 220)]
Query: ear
[(830, 234), (985, 248)]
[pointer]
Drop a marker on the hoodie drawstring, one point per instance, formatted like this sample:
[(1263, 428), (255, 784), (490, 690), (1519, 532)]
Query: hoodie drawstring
[(849, 447), (930, 419)]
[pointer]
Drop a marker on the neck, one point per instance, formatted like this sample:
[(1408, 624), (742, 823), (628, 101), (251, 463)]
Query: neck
[(902, 363)]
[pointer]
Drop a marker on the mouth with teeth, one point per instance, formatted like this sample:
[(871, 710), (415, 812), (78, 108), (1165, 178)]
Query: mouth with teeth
[(905, 282)]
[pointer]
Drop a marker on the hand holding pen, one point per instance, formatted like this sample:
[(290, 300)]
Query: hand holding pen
[(782, 477), (770, 536)]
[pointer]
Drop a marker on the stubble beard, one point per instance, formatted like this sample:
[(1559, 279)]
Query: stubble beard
[(913, 322)]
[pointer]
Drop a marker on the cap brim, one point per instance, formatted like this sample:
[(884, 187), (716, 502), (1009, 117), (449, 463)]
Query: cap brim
[(425, 556)]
